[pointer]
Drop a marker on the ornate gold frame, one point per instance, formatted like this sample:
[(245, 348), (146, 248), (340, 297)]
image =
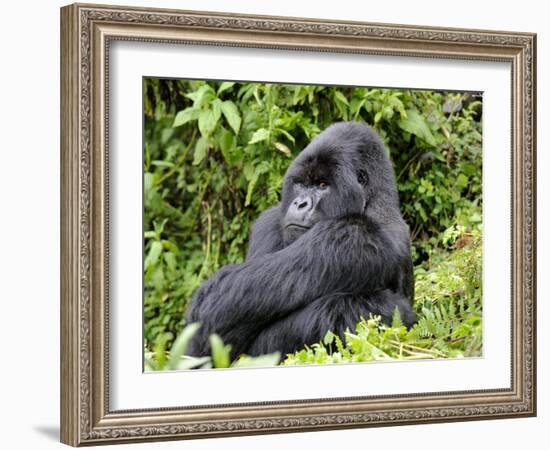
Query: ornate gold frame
[(86, 31)]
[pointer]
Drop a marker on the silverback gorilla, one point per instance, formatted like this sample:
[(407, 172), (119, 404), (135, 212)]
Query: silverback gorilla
[(335, 249)]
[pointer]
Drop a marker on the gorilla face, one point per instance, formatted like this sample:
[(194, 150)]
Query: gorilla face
[(330, 179), (314, 193), (308, 206)]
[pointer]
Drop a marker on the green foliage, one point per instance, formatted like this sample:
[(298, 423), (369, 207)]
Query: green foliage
[(215, 157), (176, 359)]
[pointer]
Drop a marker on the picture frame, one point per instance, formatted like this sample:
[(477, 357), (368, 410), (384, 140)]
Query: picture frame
[(87, 33)]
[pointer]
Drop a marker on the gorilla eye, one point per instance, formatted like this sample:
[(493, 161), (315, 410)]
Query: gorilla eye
[(322, 184), (362, 177)]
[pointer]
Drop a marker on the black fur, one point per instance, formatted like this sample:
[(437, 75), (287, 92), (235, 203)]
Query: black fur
[(348, 257)]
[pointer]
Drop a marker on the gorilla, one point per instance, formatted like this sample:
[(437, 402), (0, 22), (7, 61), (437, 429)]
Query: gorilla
[(334, 250)]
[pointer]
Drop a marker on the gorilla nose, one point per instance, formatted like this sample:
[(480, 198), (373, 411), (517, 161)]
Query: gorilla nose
[(303, 204), (300, 211)]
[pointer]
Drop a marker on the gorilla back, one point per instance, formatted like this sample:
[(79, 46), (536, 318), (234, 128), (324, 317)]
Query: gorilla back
[(334, 250)]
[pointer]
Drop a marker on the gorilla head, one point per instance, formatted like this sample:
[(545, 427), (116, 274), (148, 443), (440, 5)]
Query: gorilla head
[(344, 171)]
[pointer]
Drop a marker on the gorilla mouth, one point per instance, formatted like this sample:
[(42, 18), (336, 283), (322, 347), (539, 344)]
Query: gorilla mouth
[(297, 227)]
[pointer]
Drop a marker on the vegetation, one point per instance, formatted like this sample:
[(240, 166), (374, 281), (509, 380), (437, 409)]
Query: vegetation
[(215, 157)]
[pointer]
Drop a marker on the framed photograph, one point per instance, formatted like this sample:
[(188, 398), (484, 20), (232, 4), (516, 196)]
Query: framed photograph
[(277, 224)]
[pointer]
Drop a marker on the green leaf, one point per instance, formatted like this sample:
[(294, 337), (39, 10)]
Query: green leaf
[(179, 347), (170, 260), (329, 338), (249, 170), (250, 188), (461, 181), (165, 135), (339, 97), (225, 86), (282, 148), (226, 141), (415, 124), (191, 362), (201, 149), (220, 353), (356, 105), (207, 121), (148, 182), (186, 115), (259, 135), (269, 360), (160, 345), (150, 364), (396, 321), (232, 115), (170, 246), (217, 108), (153, 255), (287, 134), (160, 163), (202, 96), (342, 104), (253, 174)]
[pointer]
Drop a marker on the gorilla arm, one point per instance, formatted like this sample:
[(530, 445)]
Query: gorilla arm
[(346, 255), (266, 234)]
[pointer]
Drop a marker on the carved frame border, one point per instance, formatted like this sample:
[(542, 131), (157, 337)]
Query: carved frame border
[(86, 31)]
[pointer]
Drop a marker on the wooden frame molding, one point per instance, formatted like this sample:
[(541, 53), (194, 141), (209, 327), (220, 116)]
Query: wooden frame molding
[(86, 31)]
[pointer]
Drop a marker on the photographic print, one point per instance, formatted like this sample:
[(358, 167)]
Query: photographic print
[(291, 224)]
